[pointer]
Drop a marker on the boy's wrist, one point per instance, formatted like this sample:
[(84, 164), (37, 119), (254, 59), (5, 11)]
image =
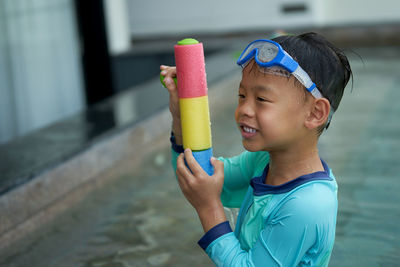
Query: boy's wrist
[(211, 215), (177, 131)]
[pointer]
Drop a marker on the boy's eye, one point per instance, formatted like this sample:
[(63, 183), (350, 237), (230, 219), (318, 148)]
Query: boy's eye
[(261, 99), (240, 96)]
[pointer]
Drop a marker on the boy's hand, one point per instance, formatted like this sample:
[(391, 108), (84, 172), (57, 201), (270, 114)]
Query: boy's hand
[(169, 73), (201, 190)]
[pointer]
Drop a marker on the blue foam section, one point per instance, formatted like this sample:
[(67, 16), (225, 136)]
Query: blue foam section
[(203, 158)]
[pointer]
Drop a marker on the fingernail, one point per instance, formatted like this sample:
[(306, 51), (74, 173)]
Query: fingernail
[(163, 72), (167, 80)]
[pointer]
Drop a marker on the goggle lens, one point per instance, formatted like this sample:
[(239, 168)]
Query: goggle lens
[(265, 52)]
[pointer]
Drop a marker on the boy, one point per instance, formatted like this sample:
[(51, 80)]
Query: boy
[(287, 195)]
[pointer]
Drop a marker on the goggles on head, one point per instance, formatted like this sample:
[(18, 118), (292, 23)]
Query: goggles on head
[(269, 54)]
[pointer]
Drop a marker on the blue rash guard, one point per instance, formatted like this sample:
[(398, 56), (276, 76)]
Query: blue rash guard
[(292, 224)]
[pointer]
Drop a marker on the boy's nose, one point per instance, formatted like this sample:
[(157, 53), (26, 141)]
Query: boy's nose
[(246, 109)]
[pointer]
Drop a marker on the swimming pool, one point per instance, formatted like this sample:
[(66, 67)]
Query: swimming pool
[(363, 148), (140, 218)]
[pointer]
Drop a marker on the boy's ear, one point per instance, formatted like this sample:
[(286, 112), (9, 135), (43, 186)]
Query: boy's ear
[(319, 113)]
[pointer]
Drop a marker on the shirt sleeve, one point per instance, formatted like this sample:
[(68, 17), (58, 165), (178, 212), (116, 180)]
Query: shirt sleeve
[(238, 171), (300, 232)]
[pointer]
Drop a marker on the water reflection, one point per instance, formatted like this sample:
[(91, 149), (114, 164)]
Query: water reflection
[(23, 158)]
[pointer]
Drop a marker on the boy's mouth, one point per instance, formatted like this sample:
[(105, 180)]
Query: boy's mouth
[(247, 131)]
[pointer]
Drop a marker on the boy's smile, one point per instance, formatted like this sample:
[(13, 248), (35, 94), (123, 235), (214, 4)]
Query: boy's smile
[(270, 112), (247, 131)]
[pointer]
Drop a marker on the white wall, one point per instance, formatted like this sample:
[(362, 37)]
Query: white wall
[(339, 12), (159, 17), (39, 64), (154, 17)]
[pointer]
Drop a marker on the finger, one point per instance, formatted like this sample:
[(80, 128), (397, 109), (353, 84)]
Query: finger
[(218, 166), (168, 71), (192, 163), (183, 171), (169, 77), (181, 179), (170, 84), (164, 67)]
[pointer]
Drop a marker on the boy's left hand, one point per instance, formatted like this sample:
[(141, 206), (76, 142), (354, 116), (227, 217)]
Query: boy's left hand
[(200, 189)]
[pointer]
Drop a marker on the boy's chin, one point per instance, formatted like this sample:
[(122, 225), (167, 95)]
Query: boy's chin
[(250, 147)]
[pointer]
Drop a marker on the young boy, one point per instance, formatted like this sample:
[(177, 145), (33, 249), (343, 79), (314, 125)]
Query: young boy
[(287, 195)]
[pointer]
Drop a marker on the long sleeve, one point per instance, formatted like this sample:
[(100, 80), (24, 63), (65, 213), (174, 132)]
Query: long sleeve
[(238, 172), (300, 231)]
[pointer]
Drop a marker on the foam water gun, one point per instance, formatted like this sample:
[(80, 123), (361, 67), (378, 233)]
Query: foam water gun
[(193, 101)]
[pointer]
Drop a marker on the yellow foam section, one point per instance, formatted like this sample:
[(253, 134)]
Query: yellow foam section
[(195, 120)]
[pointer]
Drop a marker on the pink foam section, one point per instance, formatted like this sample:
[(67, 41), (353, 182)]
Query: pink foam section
[(191, 72)]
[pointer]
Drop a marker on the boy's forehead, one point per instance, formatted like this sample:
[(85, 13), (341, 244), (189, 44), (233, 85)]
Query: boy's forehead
[(270, 74), (254, 80), (256, 86), (258, 79)]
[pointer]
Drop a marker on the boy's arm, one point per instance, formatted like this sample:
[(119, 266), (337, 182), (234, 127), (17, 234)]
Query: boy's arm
[(300, 226), (301, 231)]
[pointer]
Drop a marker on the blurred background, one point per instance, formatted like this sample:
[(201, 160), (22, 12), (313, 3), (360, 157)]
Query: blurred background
[(58, 57), (85, 178)]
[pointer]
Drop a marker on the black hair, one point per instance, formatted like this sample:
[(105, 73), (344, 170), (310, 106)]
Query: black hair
[(327, 65)]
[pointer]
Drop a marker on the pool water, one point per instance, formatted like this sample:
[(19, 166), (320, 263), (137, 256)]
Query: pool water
[(140, 218), (363, 149)]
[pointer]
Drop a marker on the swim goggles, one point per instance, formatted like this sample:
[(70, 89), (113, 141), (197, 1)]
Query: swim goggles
[(269, 54)]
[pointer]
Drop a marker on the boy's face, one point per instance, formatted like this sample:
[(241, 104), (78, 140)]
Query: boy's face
[(271, 111)]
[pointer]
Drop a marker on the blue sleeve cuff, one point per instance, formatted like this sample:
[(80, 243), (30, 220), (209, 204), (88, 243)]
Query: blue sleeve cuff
[(214, 233), (175, 147)]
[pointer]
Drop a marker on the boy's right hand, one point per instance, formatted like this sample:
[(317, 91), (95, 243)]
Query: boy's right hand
[(169, 73)]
